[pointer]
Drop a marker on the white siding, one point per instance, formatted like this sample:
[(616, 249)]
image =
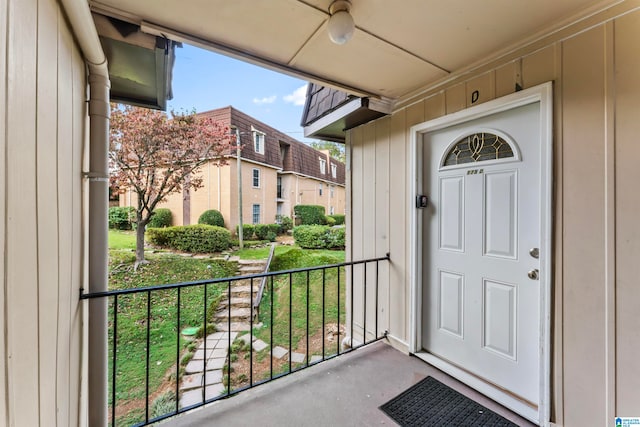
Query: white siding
[(42, 117)]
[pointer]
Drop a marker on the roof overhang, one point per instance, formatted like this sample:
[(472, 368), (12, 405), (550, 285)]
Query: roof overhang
[(357, 111), (140, 65)]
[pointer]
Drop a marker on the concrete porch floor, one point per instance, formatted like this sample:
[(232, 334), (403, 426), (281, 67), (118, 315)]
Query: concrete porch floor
[(345, 391)]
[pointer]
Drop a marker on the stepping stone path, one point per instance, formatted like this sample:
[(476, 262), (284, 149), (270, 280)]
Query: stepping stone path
[(240, 298), (203, 374)]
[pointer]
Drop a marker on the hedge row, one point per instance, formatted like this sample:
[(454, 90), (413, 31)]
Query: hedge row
[(338, 218), (121, 218), (260, 231), (319, 237), (309, 214), (191, 238)]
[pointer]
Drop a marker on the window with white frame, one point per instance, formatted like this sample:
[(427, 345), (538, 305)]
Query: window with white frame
[(334, 170), (331, 191), (320, 189), (331, 210), (323, 166), (256, 214), (258, 141), (256, 178)]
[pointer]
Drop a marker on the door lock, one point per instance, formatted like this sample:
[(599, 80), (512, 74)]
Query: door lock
[(534, 252), (533, 274)]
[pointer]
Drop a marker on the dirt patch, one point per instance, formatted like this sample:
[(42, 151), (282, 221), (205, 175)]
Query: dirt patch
[(263, 367)]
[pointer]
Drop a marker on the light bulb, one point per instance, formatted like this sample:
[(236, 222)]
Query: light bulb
[(341, 27)]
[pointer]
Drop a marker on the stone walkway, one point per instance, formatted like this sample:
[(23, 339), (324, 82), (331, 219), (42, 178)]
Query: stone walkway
[(203, 374), (203, 379)]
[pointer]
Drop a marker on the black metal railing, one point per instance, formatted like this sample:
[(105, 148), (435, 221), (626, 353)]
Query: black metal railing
[(297, 309)]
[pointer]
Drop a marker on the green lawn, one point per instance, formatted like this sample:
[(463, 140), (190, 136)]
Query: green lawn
[(131, 363), (298, 258), (119, 239), (132, 320), (261, 253)]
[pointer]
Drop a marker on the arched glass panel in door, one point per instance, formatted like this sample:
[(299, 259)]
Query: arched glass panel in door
[(478, 147)]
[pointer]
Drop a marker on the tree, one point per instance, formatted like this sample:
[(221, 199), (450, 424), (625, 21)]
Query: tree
[(335, 150), (155, 155)]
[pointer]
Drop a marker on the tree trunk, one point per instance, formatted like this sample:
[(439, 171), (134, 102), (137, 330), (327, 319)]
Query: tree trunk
[(140, 240)]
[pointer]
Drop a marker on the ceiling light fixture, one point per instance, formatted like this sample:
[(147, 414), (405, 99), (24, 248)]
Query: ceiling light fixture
[(341, 25)]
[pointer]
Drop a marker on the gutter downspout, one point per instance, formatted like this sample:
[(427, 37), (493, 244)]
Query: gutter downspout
[(86, 34)]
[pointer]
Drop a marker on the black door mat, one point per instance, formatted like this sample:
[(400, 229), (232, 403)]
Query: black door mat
[(431, 403)]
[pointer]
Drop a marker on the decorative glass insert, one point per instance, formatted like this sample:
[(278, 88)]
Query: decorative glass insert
[(478, 147)]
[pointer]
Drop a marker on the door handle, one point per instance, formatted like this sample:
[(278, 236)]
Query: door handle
[(533, 274)]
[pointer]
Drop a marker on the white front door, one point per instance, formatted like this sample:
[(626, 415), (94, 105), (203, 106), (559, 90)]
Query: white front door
[(481, 296)]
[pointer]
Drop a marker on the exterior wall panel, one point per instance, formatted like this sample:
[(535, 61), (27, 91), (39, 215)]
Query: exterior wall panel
[(594, 325), (42, 116), (583, 250), (627, 203)]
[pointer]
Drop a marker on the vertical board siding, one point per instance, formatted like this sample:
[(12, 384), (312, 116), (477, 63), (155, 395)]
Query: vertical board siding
[(47, 214), (595, 327), (538, 67), (455, 98), (480, 89), (627, 153), (557, 361), (505, 79), (3, 191), (42, 118), (382, 224), (583, 172), (72, 399), (65, 213), (398, 227), (21, 240)]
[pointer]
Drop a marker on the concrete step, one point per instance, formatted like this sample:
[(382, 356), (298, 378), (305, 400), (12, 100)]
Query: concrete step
[(235, 326), (237, 314), (243, 262), (251, 269), (236, 302), (244, 291)]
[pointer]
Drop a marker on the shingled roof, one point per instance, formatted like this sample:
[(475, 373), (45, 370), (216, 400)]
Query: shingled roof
[(299, 158)]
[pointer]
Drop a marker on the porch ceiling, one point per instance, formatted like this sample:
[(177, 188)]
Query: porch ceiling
[(397, 47)]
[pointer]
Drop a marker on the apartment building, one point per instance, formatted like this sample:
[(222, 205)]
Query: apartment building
[(277, 172)]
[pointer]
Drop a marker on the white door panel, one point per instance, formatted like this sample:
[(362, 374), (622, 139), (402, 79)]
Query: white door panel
[(480, 309)]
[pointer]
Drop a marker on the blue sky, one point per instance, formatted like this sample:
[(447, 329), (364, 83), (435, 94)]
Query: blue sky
[(204, 80)]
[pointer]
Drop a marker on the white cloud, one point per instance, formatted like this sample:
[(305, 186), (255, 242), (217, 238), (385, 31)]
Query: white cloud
[(266, 100), (297, 97)]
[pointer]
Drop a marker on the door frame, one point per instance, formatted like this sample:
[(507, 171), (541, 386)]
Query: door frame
[(544, 95)]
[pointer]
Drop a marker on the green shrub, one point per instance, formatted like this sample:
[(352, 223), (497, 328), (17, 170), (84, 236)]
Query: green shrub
[(211, 217), (319, 237), (121, 218), (161, 218), (247, 231), (285, 222), (271, 236), (265, 231), (329, 221), (335, 238), (191, 238), (309, 214), (339, 219)]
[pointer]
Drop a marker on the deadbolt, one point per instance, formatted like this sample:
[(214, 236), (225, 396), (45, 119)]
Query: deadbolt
[(533, 274), (534, 252)]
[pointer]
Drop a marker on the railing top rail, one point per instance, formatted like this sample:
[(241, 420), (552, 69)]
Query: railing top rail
[(168, 286)]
